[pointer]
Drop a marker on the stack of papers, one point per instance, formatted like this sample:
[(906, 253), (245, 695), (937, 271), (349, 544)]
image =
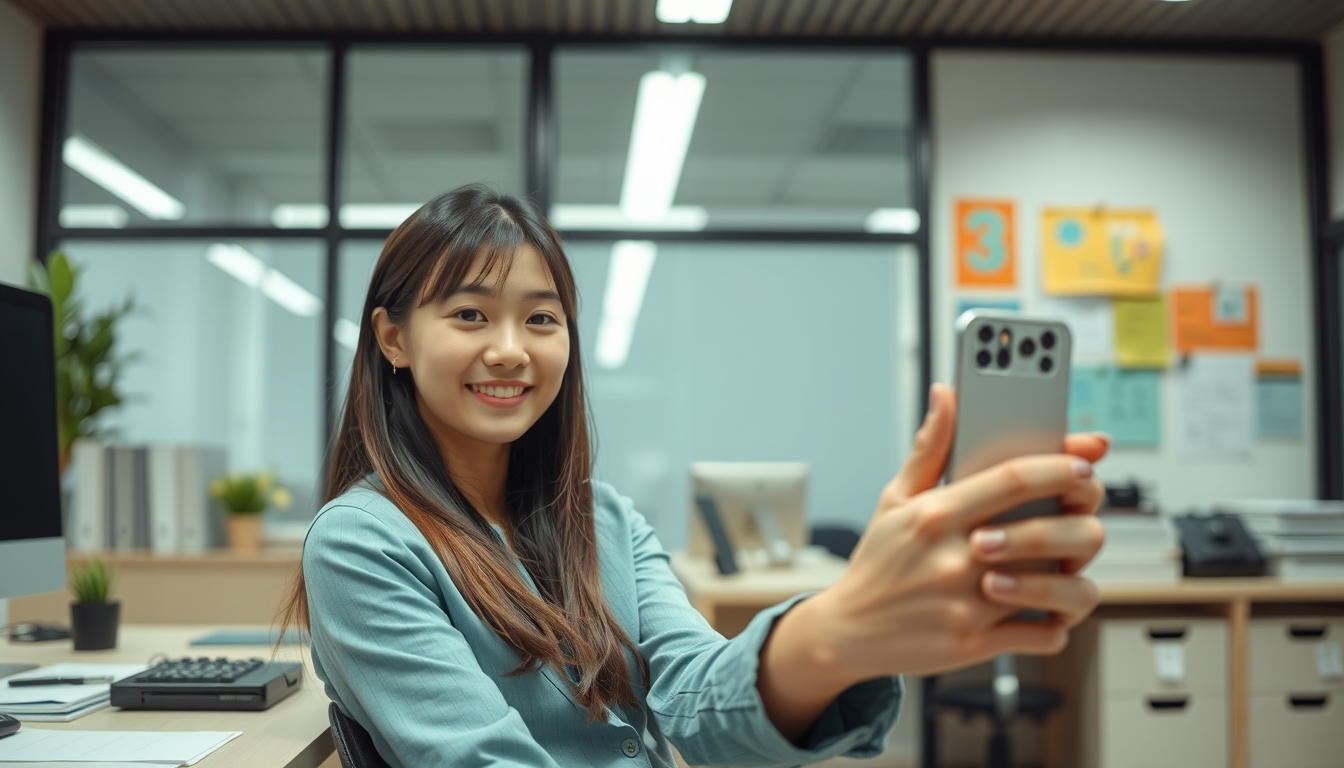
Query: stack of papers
[(61, 703), (33, 745), (1140, 546)]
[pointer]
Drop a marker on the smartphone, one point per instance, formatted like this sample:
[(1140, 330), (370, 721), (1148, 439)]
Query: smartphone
[(1012, 383)]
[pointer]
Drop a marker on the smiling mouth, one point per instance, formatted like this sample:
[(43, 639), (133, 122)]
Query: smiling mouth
[(503, 393)]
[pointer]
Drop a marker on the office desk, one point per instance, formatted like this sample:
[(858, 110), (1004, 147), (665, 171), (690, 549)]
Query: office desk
[(292, 734), (729, 602)]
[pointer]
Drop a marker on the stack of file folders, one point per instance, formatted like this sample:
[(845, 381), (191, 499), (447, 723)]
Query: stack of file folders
[(61, 703), (1302, 538), (1140, 546)]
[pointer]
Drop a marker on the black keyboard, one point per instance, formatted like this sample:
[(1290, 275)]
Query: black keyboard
[(202, 670)]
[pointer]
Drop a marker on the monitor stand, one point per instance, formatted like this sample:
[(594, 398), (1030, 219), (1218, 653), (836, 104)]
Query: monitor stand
[(13, 669)]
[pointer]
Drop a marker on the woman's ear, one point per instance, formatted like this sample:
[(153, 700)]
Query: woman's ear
[(391, 338)]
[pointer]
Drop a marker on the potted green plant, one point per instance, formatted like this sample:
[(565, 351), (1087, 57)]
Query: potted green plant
[(93, 618), (245, 496), (87, 370)]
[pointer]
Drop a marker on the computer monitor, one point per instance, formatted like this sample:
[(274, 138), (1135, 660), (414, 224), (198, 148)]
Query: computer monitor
[(761, 505), (32, 550)]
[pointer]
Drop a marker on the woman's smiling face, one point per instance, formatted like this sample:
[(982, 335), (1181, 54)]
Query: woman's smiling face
[(488, 360)]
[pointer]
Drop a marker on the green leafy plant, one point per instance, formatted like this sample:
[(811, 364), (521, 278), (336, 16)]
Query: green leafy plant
[(87, 370), (92, 582), (250, 493)]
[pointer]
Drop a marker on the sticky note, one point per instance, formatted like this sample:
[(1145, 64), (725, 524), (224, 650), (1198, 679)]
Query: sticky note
[(1219, 318), (1100, 251), (1141, 333)]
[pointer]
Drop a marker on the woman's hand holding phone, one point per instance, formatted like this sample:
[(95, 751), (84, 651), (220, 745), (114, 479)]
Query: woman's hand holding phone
[(930, 586)]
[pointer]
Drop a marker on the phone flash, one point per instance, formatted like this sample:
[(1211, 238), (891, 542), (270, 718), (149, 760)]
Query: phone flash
[(1005, 338)]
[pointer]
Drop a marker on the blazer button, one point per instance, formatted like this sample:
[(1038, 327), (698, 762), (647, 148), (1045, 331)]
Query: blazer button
[(629, 747)]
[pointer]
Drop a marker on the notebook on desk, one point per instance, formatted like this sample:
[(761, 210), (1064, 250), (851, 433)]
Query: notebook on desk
[(61, 703)]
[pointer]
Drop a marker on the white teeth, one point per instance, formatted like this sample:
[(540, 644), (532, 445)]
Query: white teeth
[(500, 392)]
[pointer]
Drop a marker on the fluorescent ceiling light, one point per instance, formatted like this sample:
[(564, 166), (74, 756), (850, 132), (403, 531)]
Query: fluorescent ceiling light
[(628, 276), (93, 216), (376, 215), (113, 175), (681, 218), (274, 284), (346, 334), (901, 220), (299, 216), (665, 114), (699, 11)]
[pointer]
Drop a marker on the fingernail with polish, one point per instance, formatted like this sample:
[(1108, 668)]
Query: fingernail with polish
[(1082, 467), (1002, 583), (989, 540)]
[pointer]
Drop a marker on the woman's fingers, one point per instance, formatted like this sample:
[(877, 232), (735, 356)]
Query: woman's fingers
[(1074, 539), (1071, 598), (1089, 445), (976, 499), (923, 468)]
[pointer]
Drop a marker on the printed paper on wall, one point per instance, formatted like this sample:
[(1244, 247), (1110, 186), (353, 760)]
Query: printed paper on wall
[(985, 244), (1099, 251), (1220, 318)]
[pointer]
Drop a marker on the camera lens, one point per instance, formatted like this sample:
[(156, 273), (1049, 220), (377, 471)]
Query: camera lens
[(1048, 340), (986, 333), (983, 357), (1046, 364), (1026, 348), (1004, 358)]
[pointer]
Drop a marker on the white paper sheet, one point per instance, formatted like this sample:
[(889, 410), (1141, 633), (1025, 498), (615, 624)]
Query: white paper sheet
[(61, 699), (1091, 322), (145, 747), (1217, 413)]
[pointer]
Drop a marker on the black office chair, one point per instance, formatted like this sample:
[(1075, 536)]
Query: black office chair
[(839, 540), (1002, 701), (353, 743)]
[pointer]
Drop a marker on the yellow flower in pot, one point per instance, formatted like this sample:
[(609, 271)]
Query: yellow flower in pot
[(245, 496)]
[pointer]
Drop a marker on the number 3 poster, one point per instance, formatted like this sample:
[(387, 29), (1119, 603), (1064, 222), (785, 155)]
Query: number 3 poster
[(986, 251)]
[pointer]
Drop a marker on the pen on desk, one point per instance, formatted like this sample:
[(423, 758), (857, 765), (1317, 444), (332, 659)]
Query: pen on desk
[(59, 681)]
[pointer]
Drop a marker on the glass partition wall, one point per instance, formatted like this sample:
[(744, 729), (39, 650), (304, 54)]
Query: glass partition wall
[(746, 226)]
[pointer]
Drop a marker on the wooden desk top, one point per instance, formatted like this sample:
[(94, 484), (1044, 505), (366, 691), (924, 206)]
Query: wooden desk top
[(292, 734), (768, 586)]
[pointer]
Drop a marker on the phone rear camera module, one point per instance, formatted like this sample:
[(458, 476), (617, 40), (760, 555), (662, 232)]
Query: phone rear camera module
[(986, 334), (1026, 348), (1047, 364), (1048, 340), (983, 358), (1004, 358)]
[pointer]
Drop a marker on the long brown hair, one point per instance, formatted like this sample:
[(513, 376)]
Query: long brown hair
[(550, 500)]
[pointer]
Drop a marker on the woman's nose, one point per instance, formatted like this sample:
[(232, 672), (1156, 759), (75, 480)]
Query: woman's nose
[(506, 348)]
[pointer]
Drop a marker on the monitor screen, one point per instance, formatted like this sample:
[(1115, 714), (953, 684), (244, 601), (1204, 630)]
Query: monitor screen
[(30, 502)]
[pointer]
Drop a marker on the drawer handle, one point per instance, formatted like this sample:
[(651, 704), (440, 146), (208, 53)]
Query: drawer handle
[(1308, 701), (1167, 634), (1306, 633), (1173, 703)]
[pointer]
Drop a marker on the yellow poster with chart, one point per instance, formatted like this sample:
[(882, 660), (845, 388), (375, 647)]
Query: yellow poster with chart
[(1101, 252)]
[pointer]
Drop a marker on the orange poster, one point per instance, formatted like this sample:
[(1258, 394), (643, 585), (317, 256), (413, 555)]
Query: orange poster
[(1222, 317), (986, 244)]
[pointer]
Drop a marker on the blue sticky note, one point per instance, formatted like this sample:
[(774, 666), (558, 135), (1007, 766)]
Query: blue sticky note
[(1084, 413), (966, 303), (1278, 406)]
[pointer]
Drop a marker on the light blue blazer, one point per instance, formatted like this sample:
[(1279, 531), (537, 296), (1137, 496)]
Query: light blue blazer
[(400, 651)]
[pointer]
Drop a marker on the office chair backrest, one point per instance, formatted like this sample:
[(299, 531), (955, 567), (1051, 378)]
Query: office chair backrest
[(353, 743), (839, 540)]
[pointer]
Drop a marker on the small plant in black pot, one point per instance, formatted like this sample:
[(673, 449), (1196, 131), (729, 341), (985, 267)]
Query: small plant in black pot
[(93, 619)]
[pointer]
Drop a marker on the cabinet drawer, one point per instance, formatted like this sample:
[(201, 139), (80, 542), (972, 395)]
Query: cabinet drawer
[(1127, 650), (1171, 730), (1283, 654), (1302, 730)]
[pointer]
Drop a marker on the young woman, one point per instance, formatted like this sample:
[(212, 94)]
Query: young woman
[(475, 599)]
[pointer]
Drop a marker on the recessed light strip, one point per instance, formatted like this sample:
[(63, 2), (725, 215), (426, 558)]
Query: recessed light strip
[(116, 177), (665, 113), (251, 271), (627, 278)]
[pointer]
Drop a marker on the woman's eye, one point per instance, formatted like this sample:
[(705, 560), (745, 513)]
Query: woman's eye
[(469, 315), (541, 319)]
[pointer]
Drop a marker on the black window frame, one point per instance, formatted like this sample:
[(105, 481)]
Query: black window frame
[(540, 159)]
